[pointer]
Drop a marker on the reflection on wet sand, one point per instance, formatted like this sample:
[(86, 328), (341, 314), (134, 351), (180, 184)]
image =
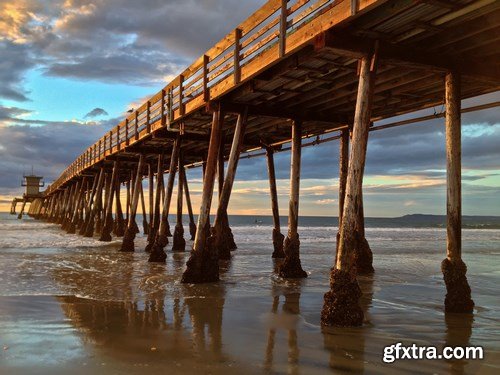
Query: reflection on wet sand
[(131, 329), (458, 333), (347, 345), (206, 317), (288, 320)]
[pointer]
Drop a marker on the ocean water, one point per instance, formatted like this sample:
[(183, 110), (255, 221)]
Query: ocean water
[(73, 304)]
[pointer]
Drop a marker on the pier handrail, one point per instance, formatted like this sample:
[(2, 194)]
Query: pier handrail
[(277, 29)]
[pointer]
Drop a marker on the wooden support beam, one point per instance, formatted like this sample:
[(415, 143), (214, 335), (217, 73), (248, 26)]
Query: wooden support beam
[(157, 250), (220, 164), (130, 232), (150, 196), (20, 216), (119, 225), (338, 309), (343, 166), (179, 243), (155, 222), (88, 228), (285, 114), (99, 206), (108, 185), (192, 224), (145, 225), (108, 219), (127, 201), (278, 237), (203, 265), (79, 203), (291, 266), (88, 205), (348, 45), (222, 238), (458, 296), (65, 209)]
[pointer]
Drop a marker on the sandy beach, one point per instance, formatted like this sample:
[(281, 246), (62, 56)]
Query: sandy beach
[(76, 305)]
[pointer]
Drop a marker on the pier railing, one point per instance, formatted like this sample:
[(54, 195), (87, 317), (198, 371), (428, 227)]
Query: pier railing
[(278, 28)]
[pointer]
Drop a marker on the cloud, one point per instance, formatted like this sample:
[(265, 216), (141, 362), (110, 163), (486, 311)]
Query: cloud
[(14, 62), (51, 147), (96, 112), (112, 41)]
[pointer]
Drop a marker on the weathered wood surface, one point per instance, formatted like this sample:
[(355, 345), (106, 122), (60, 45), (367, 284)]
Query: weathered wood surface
[(458, 296), (278, 237), (203, 265), (291, 266), (222, 236), (341, 305)]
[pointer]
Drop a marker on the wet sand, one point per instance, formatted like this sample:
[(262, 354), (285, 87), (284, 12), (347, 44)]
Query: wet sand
[(99, 311)]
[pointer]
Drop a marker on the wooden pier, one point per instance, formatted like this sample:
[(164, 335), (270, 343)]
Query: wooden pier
[(293, 70)]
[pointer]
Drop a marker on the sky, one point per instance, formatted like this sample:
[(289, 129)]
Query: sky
[(70, 69)]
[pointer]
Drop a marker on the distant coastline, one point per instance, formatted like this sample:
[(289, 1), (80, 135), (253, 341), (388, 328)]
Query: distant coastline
[(405, 221)]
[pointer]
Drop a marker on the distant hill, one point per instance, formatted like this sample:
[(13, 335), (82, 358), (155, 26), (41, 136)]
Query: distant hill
[(406, 221), (422, 220)]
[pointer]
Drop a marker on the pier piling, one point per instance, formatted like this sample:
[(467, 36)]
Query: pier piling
[(221, 238), (341, 303), (458, 297), (108, 220), (130, 232), (278, 237), (192, 224), (203, 264), (157, 251), (291, 266), (156, 216), (178, 242)]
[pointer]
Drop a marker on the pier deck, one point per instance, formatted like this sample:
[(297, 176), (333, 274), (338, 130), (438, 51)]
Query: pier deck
[(310, 72)]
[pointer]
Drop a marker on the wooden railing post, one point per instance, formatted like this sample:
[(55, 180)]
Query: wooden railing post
[(126, 132), (181, 95), (162, 108), (136, 126), (206, 92), (237, 48), (148, 112), (354, 7), (170, 111), (118, 137), (282, 36), (110, 141)]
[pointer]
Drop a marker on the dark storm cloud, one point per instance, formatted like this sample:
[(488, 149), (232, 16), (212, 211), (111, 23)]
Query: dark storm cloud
[(188, 28), (96, 112), (15, 60), (50, 148)]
